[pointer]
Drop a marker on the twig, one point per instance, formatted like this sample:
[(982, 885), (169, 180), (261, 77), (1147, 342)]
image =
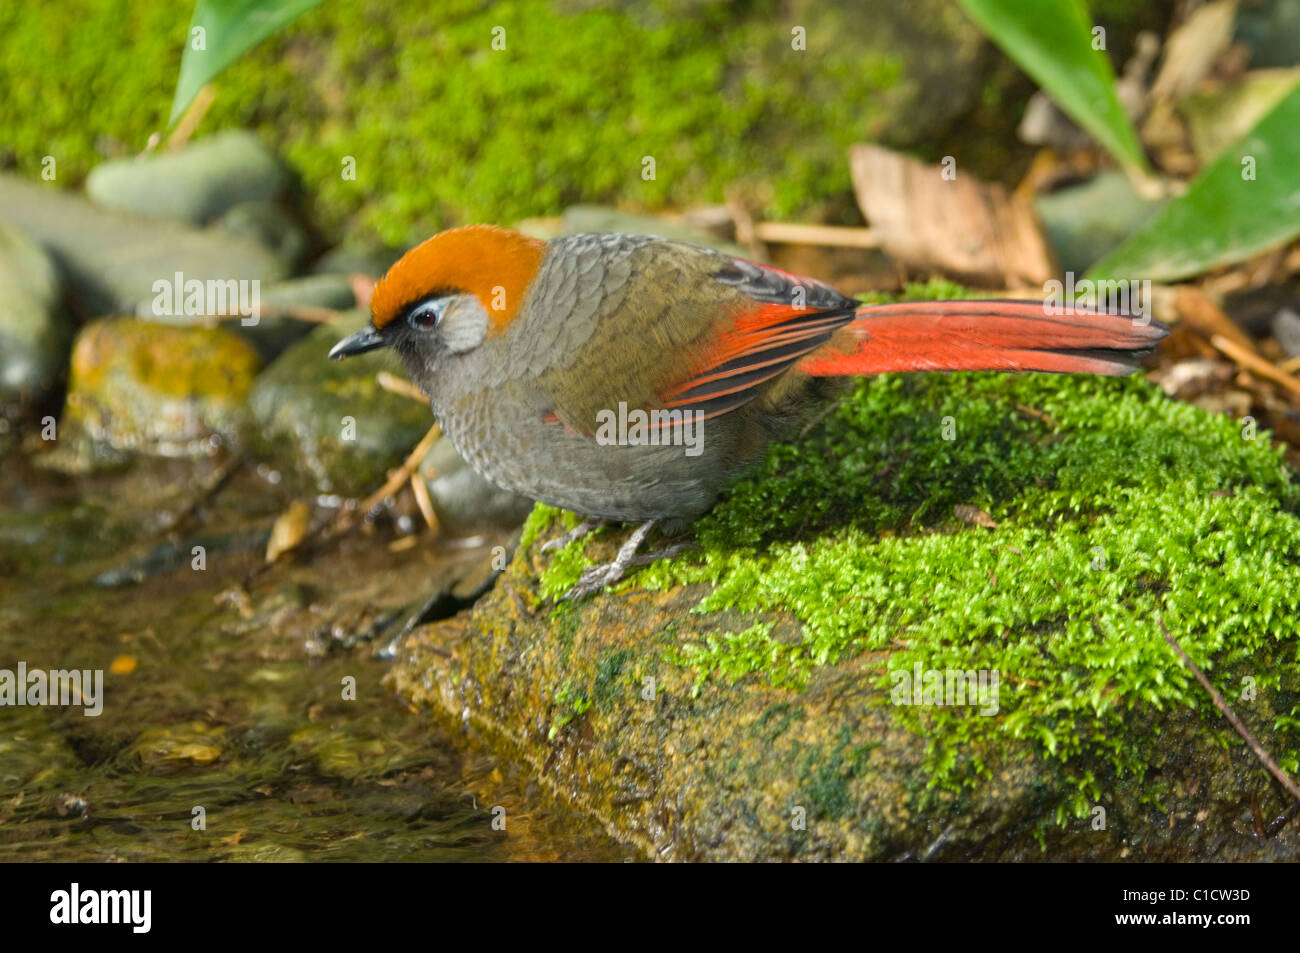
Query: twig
[(1253, 362), (396, 385), (1199, 310), (1292, 788), (1281, 820), (402, 473), (313, 314), (834, 236), (191, 118), (421, 491)]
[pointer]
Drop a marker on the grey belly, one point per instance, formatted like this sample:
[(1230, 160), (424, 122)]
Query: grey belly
[(544, 461)]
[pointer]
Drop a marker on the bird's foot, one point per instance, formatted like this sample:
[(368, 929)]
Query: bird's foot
[(579, 531), (594, 578)]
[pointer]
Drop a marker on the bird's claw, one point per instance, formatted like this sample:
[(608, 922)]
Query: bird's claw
[(579, 531), (594, 578)]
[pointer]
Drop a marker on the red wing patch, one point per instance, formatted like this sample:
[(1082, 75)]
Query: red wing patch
[(763, 344)]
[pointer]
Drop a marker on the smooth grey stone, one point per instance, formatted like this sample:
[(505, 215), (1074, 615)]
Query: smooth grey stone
[(112, 260), (194, 184), (35, 330)]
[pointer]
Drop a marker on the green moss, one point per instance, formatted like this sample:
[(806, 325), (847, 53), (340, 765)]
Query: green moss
[(571, 703), (443, 128), (605, 686), (1115, 506), (825, 785)]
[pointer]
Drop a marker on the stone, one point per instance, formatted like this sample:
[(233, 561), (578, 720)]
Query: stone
[(1286, 328), (158, 388), (35, 330), (269, 224), (770, 694), (356, 259), (194, 184), (275, 331), (112, 261), (328, 425)]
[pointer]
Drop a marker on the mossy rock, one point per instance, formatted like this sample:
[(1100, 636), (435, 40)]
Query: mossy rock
[(328, 425), (1107, 509), (158, 388)]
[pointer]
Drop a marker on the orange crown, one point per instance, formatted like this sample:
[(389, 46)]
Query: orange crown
[(494, 264)]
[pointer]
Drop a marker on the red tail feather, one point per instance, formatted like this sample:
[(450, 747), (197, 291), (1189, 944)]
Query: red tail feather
[(991, 335)]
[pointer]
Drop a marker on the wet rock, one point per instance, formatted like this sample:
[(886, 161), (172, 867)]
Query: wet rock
[(158, 388), (465, 502), (328, 424), (1084, 222), (34, 329), (673, 711), (269, 224), (194, 184), (112, 261), (176, 746)]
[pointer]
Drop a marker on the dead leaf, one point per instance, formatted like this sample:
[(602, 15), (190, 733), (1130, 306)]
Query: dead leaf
[(974, 516), (289, 529), (942, 217)]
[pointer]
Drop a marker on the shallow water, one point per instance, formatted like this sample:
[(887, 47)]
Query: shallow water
[(229, 699)]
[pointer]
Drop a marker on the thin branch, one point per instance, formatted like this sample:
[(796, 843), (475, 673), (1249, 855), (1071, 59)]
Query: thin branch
[(1253, 362), (396, 385), (402, 473), (1292, 788), (422, 500)]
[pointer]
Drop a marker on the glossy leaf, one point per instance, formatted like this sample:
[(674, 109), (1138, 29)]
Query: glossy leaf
[(1052, 41), (1246, 202), (221, 32)]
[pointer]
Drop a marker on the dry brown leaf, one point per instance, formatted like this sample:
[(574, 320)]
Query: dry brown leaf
[(289, 529), (974, 516)]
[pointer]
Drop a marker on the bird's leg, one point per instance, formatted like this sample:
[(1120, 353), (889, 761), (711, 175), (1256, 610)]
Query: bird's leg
[(579, 531), (606, 574)]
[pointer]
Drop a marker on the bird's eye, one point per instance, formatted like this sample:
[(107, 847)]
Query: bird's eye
[(427, 315)]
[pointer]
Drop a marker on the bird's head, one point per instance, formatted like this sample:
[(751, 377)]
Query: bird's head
[(448, 295)]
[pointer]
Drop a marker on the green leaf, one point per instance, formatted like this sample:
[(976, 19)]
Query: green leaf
[(1246, 202), (1052, 41), (221, 32)]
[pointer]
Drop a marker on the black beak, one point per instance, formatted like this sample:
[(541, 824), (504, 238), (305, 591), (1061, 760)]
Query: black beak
[(367, 339)]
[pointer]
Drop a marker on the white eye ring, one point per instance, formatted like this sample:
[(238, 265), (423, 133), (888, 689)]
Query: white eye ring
[(425, 316)]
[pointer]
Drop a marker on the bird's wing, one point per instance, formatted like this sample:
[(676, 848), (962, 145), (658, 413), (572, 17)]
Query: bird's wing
[(690, 329), (790, 317)]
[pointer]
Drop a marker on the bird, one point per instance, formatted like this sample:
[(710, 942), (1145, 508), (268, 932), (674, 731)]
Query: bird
[(631, 378)]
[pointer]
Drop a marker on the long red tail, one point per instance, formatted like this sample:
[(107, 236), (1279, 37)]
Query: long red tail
[(989, 335)]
